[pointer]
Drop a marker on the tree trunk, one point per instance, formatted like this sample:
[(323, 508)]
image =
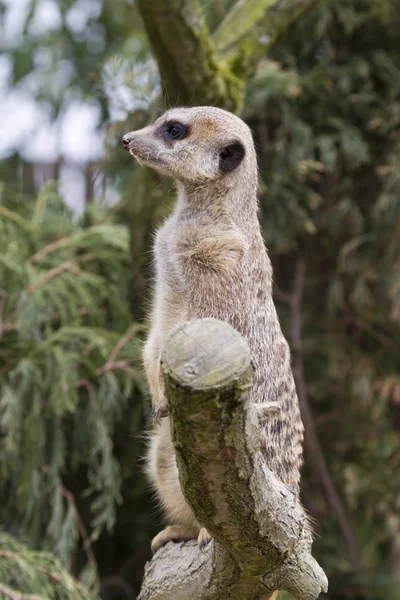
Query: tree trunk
[(260, 540), (198, 68)]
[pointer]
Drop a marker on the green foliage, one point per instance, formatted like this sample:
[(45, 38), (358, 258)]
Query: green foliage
[(69, 363), (326, 109), (32, 575)]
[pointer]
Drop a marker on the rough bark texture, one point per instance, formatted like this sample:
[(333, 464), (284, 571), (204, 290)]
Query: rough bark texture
[(239, 21), (189, 67), (260, 542), (197, 68)]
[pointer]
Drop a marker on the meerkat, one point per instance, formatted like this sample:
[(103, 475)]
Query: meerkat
[(211, 261)]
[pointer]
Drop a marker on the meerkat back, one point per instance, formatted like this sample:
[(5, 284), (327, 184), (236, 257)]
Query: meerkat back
[(211, 262)]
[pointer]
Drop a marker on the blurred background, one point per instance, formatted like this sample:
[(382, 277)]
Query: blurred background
[(319, 84)]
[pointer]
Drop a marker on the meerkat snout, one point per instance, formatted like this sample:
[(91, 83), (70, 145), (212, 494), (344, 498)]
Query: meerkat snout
[(126, 140)]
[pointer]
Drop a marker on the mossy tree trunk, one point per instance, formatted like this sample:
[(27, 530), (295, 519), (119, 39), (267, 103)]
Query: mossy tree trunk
[(261, 542), (200, 68)]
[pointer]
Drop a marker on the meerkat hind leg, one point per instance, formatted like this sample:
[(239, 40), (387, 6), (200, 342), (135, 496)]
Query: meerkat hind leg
[(172, 533)]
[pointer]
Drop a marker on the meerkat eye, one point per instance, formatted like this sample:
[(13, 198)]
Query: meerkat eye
[(175, 131)]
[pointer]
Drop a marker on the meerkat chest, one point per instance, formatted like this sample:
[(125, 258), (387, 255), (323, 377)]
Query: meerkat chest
[(210, 238), (167, 270), (176, 225), (164, 241)]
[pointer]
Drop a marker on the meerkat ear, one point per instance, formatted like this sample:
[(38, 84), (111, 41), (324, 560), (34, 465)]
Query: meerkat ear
[(231, 157)]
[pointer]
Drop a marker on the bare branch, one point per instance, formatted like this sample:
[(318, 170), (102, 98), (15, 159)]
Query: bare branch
[(49, 248), (261, 541), (62, 268), (313, 447), (67, 266), (123, 341), (122, 365), (87, 545), (68, 495)]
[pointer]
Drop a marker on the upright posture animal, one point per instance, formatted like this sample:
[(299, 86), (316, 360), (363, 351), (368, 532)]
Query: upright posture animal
[(211, 261)]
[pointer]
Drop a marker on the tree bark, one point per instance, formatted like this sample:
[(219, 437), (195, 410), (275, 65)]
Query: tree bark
[(261, 541), (190, 71), (198, 68)]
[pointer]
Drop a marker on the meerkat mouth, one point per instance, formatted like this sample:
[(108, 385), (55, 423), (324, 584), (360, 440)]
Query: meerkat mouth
[(147, 161), (132, 153)]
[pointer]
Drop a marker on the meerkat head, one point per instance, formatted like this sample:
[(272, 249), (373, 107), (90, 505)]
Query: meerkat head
[(194, 145)]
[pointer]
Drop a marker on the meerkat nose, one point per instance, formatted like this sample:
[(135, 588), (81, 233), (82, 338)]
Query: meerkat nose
[(126, 140)]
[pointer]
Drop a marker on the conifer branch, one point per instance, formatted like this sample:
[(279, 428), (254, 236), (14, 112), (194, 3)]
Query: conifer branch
[(6, 325), (47, 363), (14, 595), (13, 216), (122, 365), (84, 382), (68, 495), (49, 248), (87, 545), (58, 579), (67, 266), (123, 341)]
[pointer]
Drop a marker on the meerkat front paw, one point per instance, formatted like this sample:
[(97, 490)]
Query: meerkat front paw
[(160, 406), (172, 533), (159, 414), (203, 538)]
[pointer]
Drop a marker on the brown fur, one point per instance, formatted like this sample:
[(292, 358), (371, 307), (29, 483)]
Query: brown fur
[(211, 262)]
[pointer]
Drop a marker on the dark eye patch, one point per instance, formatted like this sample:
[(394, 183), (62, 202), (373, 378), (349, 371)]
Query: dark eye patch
[(174, 131)]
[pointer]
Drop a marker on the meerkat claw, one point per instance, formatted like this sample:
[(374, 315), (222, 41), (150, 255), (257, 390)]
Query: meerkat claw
[(158, 415), (203, 538), (172, 533)]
